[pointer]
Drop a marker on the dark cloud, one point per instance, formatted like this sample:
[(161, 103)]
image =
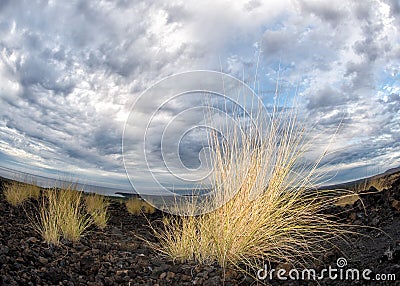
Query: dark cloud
[(190, 147), (394, 7), (392, 104), (4, 3), (361, 76), (107, 139), (327, 98), (252, 4), (333, 14)]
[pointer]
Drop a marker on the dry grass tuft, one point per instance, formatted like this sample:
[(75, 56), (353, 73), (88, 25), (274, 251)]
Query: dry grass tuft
[(97, 207), (47, 223), (61, 214), (74, 220), (147, 208), (16, 192), (265, 206), (136, 206), (348, 199)]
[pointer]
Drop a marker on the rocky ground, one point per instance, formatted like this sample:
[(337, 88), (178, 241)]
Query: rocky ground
[(116, 256)]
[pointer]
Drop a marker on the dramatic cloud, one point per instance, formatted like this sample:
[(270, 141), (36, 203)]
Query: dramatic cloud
[(71, 70)]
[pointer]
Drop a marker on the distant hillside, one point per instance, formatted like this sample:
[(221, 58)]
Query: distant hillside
[(380, 182)]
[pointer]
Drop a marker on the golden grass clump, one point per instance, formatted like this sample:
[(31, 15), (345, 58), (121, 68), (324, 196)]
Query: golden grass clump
[(97, 206), (47, 223), (264, 206), (17, 192), (74, 220), (136, 206), (61, 215), (34, 191)]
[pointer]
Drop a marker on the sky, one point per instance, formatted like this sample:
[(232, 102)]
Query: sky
[(70, 72)]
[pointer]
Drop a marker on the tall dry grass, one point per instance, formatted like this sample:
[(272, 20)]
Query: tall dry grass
[(17, 192), (61, 214), (74, 220), (264, 207), (47, 221), (97, 206)]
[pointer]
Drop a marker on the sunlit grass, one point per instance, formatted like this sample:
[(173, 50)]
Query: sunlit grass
[(265, 206), (74, 221), (61, 214), (17, 192), (97, 207), (137, 206), (47, 221)]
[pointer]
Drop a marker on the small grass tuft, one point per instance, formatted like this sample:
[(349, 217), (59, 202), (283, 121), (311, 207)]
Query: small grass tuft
[(61, 215), (47, 223), (97, 207), (73, 219), (136, 206), (17, 192)]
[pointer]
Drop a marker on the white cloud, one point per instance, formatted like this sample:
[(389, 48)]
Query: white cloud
[(71, 70)]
